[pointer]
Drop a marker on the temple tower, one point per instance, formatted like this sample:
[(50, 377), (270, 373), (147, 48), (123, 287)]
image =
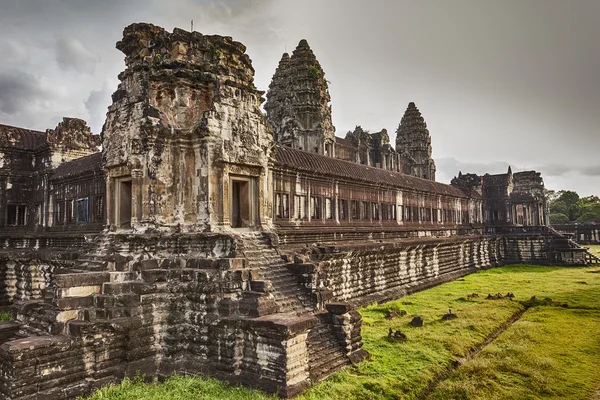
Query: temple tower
[(185, 145), (297, 104), (414, 144)]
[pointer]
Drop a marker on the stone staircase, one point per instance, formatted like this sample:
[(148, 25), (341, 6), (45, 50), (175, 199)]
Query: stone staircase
[(275, 278), (564, 242)]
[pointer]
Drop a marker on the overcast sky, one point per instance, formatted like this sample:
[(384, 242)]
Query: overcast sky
[(499, 82)]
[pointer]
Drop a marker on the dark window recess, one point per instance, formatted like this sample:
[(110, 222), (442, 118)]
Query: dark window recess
[(99, 209), (282, 203), (316, 209), (69, 204), (343, 209), (355, 209), (16, 214), (81, 206), (375, 209), (60, 215)]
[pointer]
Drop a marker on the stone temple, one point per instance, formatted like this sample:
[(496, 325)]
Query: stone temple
[(208, 238)]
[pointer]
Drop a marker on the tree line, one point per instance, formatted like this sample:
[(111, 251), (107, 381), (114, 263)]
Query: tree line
[(566, 206)]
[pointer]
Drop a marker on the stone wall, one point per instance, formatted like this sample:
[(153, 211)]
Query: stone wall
[(581, 233)]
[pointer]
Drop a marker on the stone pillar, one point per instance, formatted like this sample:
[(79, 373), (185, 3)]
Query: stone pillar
[(137, 183)]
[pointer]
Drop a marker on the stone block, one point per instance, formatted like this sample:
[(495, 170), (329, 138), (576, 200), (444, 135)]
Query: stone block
[(338, 308)]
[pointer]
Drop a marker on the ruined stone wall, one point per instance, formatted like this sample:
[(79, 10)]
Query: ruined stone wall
[(185, 117)]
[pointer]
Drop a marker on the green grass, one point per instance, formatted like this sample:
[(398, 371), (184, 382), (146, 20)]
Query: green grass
[(549, 353), (594, 249), (5, 316), (404, 370), (177, 388)]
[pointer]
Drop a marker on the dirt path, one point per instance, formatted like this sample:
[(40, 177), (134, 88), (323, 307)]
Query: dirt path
[(471, 354)]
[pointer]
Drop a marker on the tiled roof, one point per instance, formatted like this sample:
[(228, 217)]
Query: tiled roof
[(322, 165), (93, 162), (22, 139)]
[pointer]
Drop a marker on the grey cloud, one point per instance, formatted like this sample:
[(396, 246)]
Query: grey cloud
[(591, 171), (96, 104), (72, 54), (12, 52), (19, 90)]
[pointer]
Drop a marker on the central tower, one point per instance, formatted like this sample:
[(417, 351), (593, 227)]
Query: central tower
[(297, 104)]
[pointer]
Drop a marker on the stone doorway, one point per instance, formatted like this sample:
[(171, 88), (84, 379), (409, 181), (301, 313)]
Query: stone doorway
[(123, 203), (242, 210)]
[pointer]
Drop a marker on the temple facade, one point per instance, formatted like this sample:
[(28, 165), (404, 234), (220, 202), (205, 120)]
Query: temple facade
[(209, 238)]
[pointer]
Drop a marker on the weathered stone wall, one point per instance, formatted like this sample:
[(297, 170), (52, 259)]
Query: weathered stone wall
[(184, 122)]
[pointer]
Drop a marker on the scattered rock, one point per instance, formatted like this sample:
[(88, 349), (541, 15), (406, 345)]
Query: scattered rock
[(472, 296), (395, 313), (449, 315), (396, 336), (417, 321), (510, 295)]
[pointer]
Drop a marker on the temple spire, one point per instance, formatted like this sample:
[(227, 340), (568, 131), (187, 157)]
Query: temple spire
[(414, 144), (298, 102)]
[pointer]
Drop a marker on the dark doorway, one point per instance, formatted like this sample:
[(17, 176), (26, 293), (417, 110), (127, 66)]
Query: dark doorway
[(125, 204), (240, 204)]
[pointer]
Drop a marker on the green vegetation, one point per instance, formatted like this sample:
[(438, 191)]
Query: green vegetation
[(594, 249), (5, 316), (549, 352), (177, 388), (566, 206), (314, 72)]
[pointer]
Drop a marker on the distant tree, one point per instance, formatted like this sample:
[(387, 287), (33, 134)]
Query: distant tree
[(590, 212), (571, 203), (558, 219)]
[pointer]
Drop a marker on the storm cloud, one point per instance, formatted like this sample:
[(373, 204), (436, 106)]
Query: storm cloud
[(499, 83), (19, 90)]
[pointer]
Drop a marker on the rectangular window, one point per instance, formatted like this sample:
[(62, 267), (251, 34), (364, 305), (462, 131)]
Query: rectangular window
[(385, 212), (282, 205), (375, 211), (81, 207), (300, 207), (316, 209), (98, 209), (408, 213), (428, 214), (69, 212), (16, 214), (329, 208), (355, 209), (365, 212), (343, 209)]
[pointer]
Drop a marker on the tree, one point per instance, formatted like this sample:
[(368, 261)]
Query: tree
[(590, 212), (567, 203), (558, 219)]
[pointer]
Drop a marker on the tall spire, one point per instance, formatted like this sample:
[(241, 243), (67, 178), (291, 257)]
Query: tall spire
[(413, 142), (298, 102)]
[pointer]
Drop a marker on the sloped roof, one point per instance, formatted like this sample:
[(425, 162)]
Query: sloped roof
[(79, 166), (20, 138), (322, 165)]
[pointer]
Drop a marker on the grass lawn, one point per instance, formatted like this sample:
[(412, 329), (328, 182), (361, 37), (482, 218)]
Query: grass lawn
[(594, 249), (550, 351), (5, 316)]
